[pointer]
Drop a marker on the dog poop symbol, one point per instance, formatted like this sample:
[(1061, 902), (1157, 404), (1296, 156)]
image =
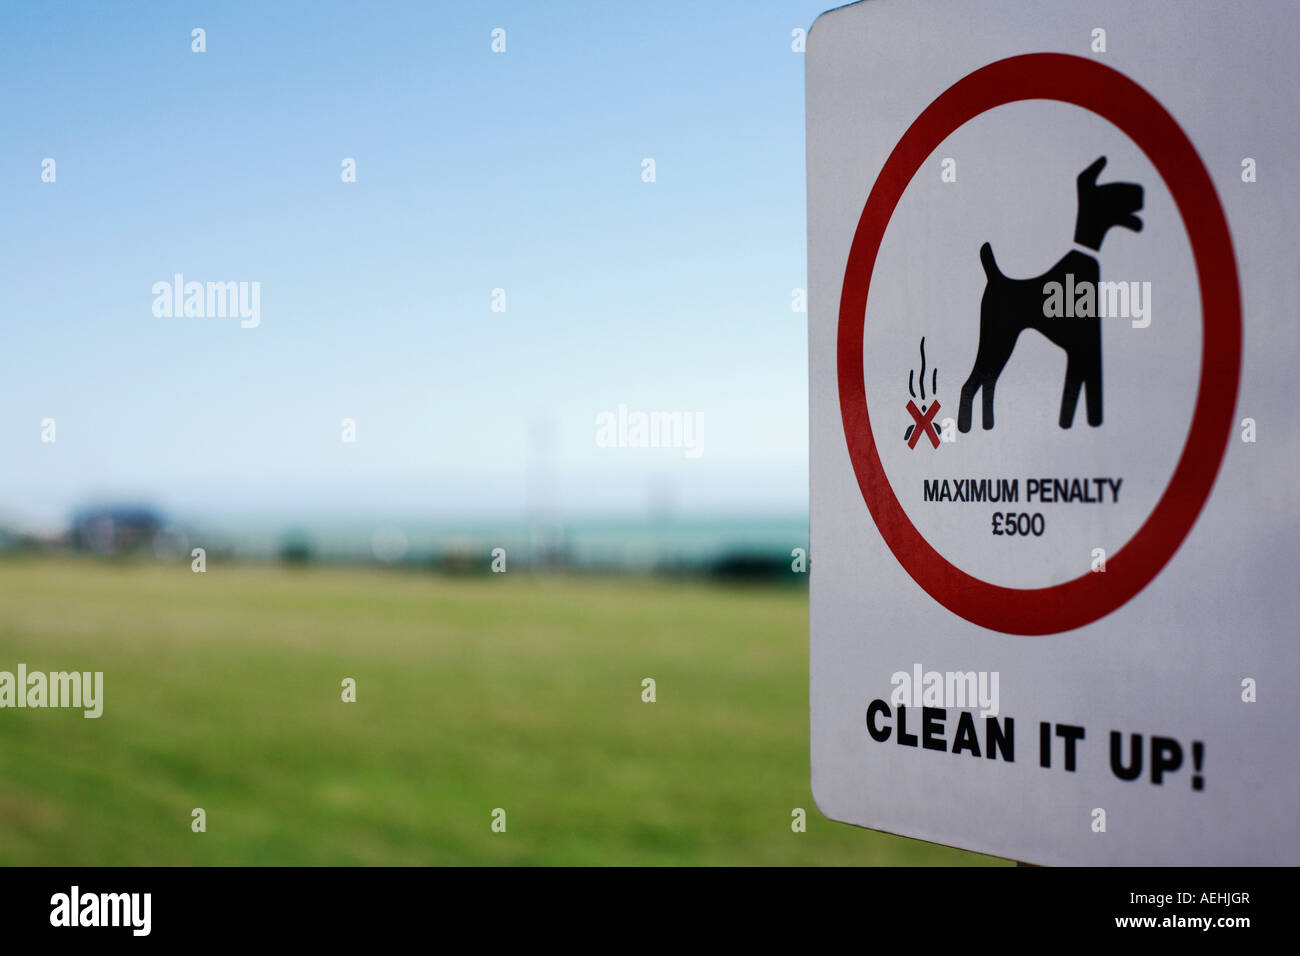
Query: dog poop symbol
[(923, 417)]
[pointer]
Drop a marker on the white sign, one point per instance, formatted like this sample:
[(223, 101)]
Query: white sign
[(1055, 435)]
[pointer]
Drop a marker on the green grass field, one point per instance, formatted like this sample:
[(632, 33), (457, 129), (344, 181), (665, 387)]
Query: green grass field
[(222, 691)]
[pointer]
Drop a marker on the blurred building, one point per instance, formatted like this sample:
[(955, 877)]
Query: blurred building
[(115, 530)]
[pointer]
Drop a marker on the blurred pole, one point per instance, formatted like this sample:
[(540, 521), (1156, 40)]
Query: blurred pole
[(545, 533)]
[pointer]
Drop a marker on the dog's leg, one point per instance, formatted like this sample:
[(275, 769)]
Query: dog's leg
[(979, 374), (990, 370), (983, 377), (987, 387), (1092, 385), (1070, 394), (967, 397)]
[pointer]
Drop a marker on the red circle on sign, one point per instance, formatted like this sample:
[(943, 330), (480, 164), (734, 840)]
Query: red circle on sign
[(1116, 98)]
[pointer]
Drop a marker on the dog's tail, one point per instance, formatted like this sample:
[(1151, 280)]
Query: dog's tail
[(990, 264)]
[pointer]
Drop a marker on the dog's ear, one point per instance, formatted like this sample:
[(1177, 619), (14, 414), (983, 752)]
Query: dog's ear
[(1089, 176)]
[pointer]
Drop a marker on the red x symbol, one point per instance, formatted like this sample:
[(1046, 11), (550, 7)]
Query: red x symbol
[(923, 424)]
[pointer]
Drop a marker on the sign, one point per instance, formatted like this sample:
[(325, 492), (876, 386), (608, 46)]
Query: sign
[(1052, 337)]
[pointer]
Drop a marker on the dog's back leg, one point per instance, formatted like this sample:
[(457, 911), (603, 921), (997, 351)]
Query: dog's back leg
[(997, 360), (1092, 386), (989, 361), (997, 339), (967, 397), (1070, 394)]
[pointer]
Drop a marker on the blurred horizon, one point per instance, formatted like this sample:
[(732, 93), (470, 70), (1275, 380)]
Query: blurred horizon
[(659, 542)]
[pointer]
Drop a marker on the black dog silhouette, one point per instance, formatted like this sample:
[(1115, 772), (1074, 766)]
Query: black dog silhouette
[(1010, 306)]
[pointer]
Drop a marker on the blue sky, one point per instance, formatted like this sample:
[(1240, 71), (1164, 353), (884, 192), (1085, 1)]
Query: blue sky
[(475, 171)]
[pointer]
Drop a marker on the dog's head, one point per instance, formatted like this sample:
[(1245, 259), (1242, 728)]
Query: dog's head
[(1101, 207)]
